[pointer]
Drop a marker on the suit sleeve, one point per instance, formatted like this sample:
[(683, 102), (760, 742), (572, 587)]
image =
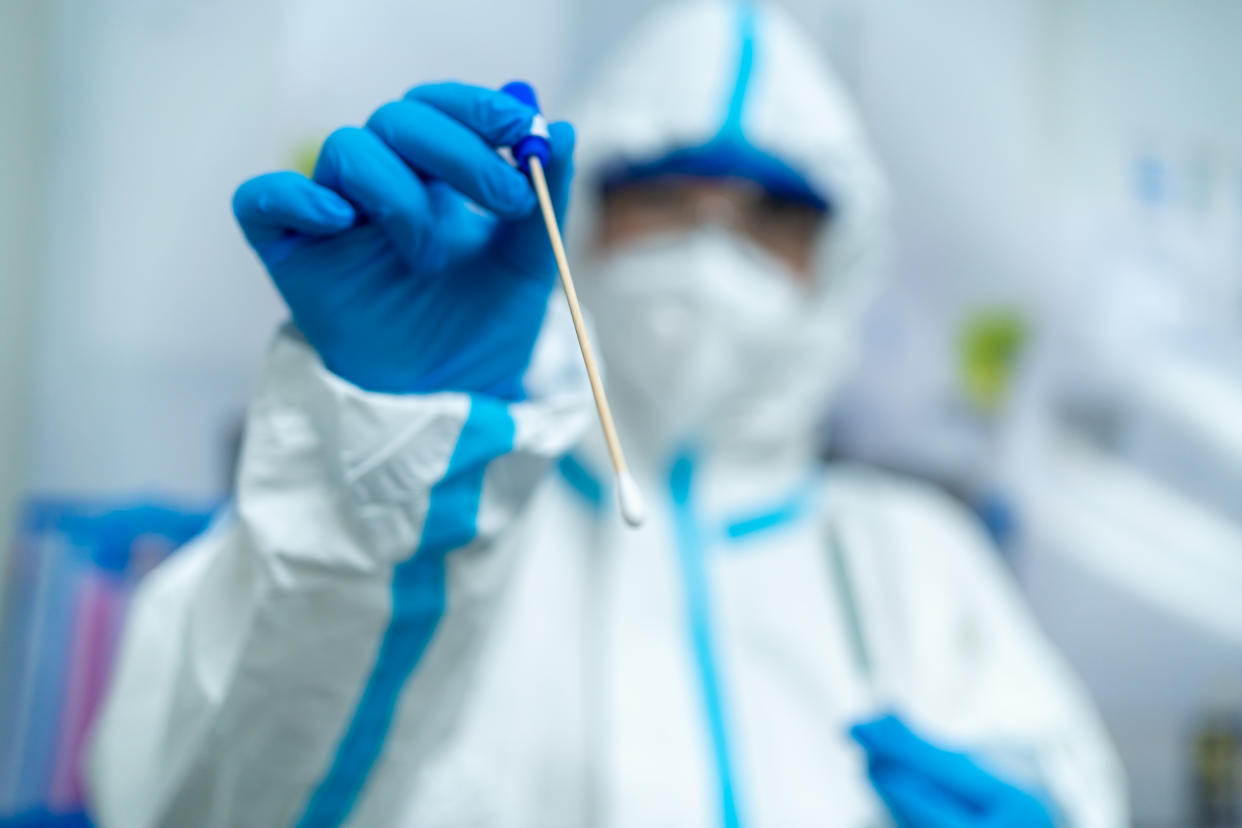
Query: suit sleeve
[(981, 675), (332, 625)]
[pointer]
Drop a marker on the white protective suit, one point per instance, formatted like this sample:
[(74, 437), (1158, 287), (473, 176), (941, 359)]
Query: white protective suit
[(426, 612)]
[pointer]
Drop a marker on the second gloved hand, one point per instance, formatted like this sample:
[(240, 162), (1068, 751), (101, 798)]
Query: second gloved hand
[(925, 786), (415, 260)]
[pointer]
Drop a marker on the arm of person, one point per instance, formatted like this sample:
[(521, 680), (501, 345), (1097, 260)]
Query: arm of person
[(974, 675), (300, 663), (1019, 689), (260, 674)]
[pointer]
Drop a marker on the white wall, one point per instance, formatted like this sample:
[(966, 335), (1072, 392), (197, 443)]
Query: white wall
[(1143, 76), (340, 59), (151, 311), (22, 77)]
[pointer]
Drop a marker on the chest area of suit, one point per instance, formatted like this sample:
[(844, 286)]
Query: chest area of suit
[(729, 668), (705, 669)]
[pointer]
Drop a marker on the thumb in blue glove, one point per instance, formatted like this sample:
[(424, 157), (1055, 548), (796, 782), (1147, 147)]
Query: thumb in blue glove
[(925, 786), (415, 260)]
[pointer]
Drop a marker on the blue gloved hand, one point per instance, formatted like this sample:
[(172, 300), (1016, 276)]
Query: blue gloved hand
[(925, 786), (416, 259)]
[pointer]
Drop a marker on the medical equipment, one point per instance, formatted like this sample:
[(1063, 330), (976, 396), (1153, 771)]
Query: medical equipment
[(531, 153)]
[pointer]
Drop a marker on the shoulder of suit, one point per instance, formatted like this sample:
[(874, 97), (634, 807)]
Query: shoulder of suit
[(859, 483), (899, 502)]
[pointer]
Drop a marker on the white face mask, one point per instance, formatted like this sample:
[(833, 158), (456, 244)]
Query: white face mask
[(702, 327)]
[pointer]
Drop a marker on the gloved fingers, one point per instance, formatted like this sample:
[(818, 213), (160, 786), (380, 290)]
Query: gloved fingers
[(365, 171), (525, 244), (889, 739), (500, 119), (916, 802), (271, 207), (462, 229), (438, 146)]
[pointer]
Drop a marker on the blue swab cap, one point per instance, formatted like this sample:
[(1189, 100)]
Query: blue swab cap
[(536, 140)]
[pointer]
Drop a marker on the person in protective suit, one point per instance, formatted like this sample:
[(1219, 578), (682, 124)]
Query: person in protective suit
[(424, 609)]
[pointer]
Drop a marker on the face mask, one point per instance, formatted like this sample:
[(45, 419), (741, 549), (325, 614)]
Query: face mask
[(700, 328)]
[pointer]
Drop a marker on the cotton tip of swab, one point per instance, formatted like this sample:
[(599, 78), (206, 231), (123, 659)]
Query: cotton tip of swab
[(630, 498)]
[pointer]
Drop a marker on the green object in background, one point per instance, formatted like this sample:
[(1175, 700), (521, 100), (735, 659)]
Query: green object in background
[(989, 346), (305, 154)]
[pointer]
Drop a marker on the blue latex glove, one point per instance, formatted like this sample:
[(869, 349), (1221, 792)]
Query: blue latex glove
[(416, 259), (925, 786)]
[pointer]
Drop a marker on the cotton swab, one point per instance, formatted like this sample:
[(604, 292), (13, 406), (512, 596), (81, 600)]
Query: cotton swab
[(531, 153)]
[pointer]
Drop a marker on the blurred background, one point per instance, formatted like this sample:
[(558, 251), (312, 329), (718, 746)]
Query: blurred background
[(1060, 344)]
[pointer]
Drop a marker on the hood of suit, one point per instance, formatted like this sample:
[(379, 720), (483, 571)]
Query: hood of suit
[(703, 337)]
